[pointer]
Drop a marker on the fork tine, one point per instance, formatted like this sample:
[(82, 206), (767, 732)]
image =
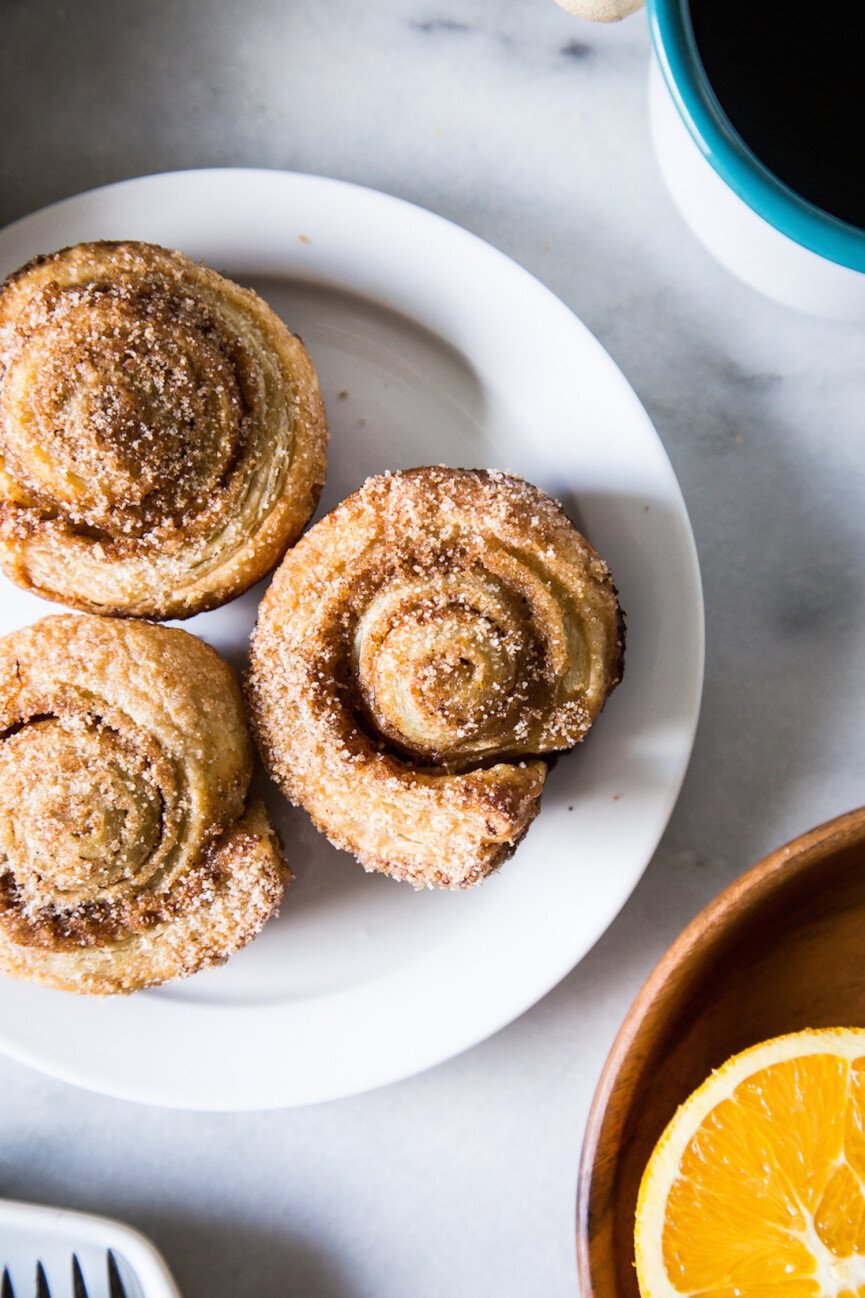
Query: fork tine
[(6, 1290), (79, 1288), (42, 1290), (115, 1284)]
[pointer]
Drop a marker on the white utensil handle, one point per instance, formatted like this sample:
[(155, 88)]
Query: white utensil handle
[(31, 1230)]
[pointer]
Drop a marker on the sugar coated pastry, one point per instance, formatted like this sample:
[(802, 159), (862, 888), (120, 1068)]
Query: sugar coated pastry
[(129, 852), (162, 436), (417, 654)]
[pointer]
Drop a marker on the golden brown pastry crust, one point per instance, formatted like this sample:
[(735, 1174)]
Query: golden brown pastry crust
[(417, 652), (162, 436), (129, 854)]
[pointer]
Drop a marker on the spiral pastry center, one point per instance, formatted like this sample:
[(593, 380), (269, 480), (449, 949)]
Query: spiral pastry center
[(129, 437), (444, 666), (79, 810)]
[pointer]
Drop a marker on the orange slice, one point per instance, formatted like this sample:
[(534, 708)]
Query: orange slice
[(757, 1187)]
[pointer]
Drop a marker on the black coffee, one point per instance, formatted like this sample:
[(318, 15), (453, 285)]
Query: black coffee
[(791, 78)]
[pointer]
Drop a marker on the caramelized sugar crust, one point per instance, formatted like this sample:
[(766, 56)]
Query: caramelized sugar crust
[(416, 656), (162, 436), (129, 852)]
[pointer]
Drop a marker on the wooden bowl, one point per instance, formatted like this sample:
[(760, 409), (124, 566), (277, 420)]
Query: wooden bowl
[(782, 948)]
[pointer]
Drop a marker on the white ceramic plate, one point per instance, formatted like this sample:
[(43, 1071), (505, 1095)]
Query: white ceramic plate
[(432, 348)]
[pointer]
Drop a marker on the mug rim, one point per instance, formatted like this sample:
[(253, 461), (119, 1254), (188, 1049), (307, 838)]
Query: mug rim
[(724, 149)]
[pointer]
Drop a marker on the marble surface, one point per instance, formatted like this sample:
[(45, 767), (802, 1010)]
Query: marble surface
[(529, 127)]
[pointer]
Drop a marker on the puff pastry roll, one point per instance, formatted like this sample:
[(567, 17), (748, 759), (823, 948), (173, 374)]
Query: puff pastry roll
[(162, 436), (129, 854), (417, 654)]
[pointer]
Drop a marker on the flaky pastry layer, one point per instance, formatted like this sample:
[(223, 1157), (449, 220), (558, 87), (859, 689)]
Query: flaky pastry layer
[(129, 853), (416, 655), (162, 436)]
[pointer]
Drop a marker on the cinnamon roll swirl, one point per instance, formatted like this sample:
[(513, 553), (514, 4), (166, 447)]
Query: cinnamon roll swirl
[(162, 436), (129, 854), (416, 655)]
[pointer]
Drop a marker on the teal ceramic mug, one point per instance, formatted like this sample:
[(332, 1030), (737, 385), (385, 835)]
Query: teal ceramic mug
[(757, 225)]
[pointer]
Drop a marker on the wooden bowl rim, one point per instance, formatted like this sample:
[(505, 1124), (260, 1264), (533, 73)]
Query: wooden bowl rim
[(704, 930)]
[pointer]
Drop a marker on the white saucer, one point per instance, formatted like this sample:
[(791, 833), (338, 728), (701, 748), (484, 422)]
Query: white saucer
[(432, 347)]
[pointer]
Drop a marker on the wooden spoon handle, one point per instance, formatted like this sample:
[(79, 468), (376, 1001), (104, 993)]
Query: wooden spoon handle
[(601, 11)]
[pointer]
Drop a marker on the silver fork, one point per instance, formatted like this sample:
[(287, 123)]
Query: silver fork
[(79, 1289)]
